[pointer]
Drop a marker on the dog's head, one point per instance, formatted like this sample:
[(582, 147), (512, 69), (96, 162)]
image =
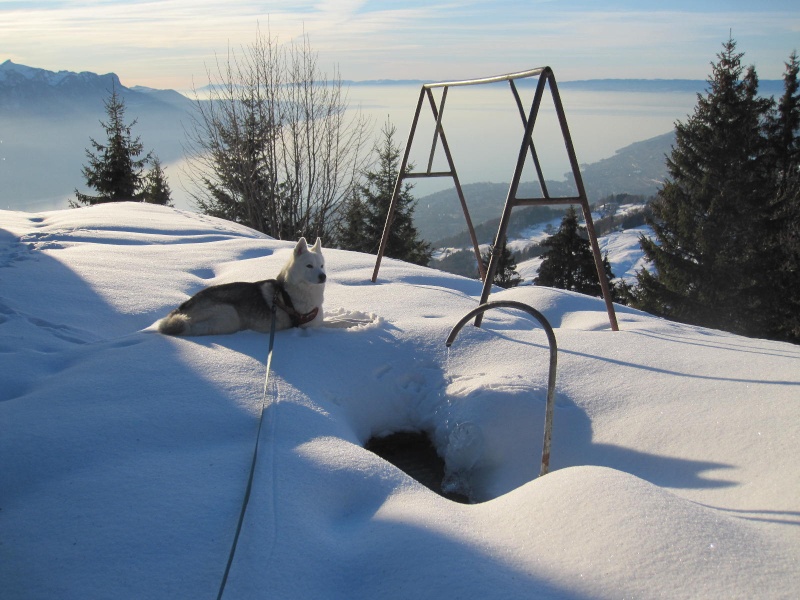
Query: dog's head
[(307, 263)]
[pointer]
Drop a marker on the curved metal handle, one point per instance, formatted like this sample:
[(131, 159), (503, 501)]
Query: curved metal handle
[(551, 379)]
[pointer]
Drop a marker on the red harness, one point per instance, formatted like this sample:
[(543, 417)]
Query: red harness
[(283, 300)]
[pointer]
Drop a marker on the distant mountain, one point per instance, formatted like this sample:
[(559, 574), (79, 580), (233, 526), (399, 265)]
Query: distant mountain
[(47, 118), (170, 97), (637, 85), (385, 82), (767, 87), (637, 169), (439, 219), (32, 92)]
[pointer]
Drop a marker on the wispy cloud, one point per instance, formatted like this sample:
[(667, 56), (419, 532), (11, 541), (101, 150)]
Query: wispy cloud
[(475, 38), (167, 42)]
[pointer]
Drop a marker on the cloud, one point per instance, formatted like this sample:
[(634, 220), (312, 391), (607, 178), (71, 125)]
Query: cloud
[(148, 41)]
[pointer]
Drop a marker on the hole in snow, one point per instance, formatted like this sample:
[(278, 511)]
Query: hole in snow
[(414, 454)]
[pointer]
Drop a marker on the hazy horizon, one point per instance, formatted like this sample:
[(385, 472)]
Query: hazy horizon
[(482, 126), (173, 45), (622, 84)]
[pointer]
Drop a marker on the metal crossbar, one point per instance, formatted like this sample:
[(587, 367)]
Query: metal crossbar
[(492, 79), (546, 79)]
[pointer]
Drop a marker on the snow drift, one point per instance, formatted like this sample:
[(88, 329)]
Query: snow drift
[(124, 453)]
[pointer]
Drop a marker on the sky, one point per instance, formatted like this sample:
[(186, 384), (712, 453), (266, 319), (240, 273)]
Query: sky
[(172, 43)]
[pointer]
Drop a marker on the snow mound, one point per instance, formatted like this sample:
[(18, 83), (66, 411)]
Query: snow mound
[(674, 470), (341, 318)]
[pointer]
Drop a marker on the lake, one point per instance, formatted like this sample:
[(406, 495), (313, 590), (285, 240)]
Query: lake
[(40, 164), (484, 129)]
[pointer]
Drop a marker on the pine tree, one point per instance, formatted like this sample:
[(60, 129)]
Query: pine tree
[(156, 187), (506, 275), (352, 227), (244, 187), (114, 169), (709, 217), (364, 215), (783, 130), (568, 262)]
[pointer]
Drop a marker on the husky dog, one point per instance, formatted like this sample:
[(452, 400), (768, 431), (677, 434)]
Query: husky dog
[(296, 292)]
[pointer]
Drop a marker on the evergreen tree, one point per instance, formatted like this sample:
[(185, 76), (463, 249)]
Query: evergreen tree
[(351, 233), (458, 262), (244, 187), (365, 212), (114, 169), (506, 275), (709, 217), (568, 262), (156, 188), (783, 129)]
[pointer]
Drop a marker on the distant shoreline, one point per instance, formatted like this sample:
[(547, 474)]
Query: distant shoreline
[(766, 86), (689, 86)]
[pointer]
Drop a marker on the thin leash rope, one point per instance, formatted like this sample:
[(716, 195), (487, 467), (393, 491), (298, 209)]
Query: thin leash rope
[(255, 457)]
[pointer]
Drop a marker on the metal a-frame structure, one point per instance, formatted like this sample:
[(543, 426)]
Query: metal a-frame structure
[(546, 79)]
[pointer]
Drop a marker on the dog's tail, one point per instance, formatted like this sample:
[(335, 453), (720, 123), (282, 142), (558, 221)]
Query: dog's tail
[(175, 323)]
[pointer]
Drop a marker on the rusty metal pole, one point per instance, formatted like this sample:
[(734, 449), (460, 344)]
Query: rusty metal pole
[(551, 377), (401, 175), (438, 127), (446, 147), (587, 213), (534, 155), (545, 75), (511, 199)]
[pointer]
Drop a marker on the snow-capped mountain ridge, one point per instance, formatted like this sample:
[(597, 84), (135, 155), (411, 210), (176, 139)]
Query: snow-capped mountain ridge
[(12, 73), (29, 92)]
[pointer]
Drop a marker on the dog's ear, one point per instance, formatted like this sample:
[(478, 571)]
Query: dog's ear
[(317, 246), (300, 247)]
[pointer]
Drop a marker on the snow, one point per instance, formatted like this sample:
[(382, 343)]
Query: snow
[(625, 253), (124, 454), (31, 73), (621, 246)]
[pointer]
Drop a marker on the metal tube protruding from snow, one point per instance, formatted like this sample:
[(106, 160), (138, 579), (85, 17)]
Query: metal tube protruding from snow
[(551, 379)]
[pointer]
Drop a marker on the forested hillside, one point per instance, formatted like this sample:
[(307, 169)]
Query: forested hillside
[(637, 169)]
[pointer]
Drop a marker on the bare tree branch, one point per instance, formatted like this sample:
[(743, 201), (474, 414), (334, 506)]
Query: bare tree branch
[(273, 146)]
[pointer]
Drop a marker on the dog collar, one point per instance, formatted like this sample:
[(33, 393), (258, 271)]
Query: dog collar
[(302, 319), (283, 300)]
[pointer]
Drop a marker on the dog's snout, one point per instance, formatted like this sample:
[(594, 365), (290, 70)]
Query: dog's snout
[(322, 277)]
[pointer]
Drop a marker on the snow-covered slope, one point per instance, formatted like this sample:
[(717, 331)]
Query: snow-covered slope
[(124, 454), (620, 246)]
